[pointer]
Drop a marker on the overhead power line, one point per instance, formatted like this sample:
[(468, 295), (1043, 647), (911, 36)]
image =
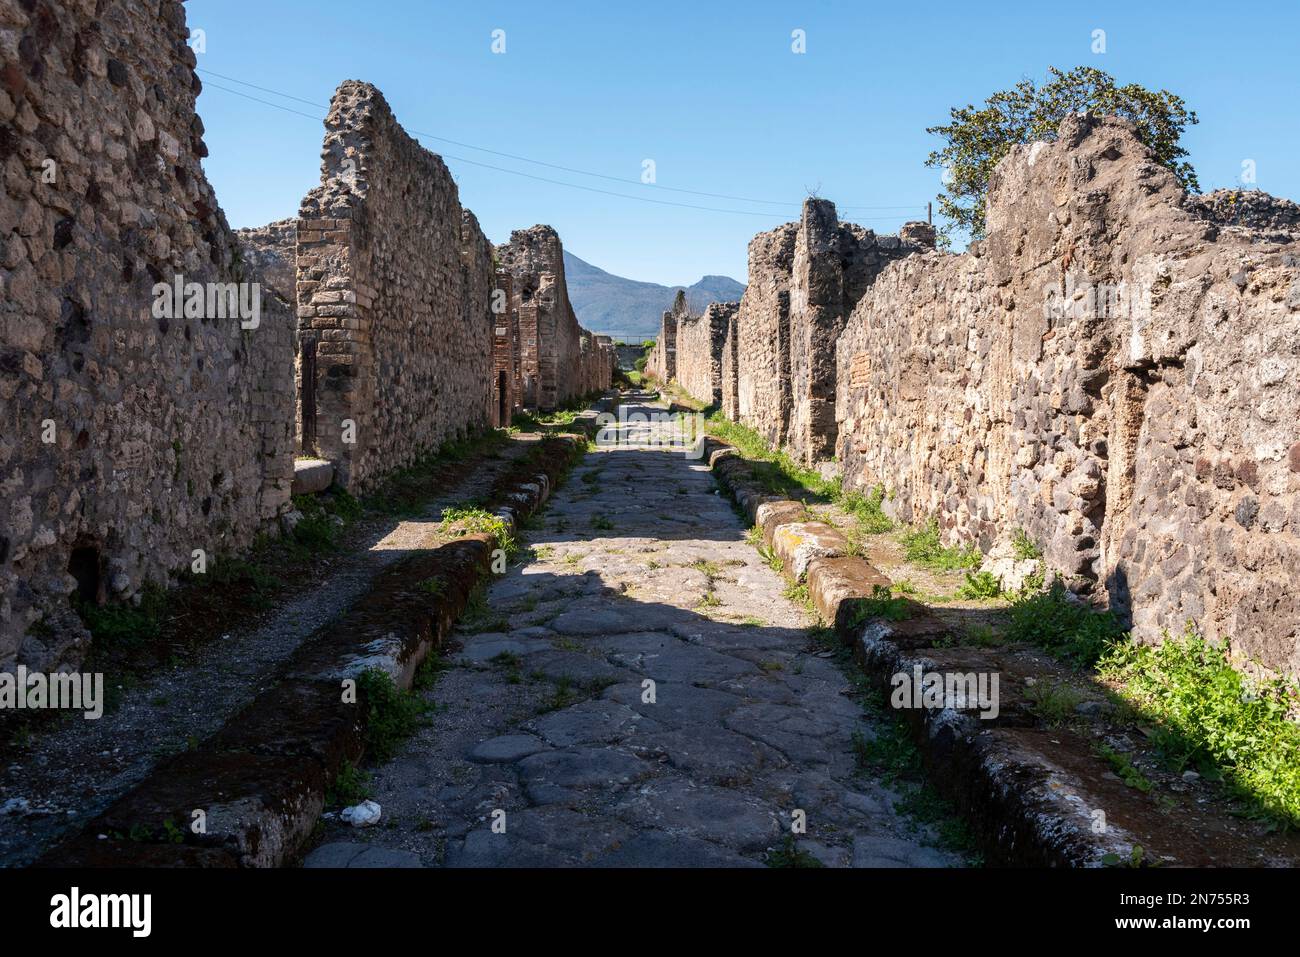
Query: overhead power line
[(543, 179)]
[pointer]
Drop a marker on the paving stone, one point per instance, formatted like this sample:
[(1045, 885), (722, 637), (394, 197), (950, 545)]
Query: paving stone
[(556, 776), (507, 748), (481, 649), (885, 851), (705, 813), (594, 722), (711, 754)]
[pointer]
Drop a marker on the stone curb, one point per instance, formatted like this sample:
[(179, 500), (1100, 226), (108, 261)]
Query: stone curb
[(261, 780), (1024, 808)]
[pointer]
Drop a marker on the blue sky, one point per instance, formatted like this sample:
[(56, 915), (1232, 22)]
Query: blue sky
[(713, 94)]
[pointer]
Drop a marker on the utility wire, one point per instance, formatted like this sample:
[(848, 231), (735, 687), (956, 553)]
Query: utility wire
[(542, 179), (525, 159)]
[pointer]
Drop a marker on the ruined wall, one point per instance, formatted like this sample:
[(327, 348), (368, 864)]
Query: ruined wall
[(271, 252), (129, 437), (805, 279), (269, 255), (661, 364), (478, 284), (604, 361), (730, 368), (1114, 369), (557, 366), (763, 336), (700, 341), (394, 284), (507, 373)]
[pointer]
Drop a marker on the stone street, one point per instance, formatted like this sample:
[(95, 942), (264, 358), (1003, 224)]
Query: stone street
[(637, 691)]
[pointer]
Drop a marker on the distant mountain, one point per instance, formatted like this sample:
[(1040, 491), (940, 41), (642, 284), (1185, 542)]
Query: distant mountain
[(611, 304)]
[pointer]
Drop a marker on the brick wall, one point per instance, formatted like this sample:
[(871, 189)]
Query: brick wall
[(729, 369), (662, 361), (507, 375), (394, 285)]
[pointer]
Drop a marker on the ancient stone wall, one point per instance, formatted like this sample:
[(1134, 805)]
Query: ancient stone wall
[(134, 431), (507, 373), (730, 366), (394, 285), (805, 279), (559, 361), (1115, 369), (627, 354), (700, 341), (763, 336), (604, 361), (271, 252), (269, 255), (661, 364)]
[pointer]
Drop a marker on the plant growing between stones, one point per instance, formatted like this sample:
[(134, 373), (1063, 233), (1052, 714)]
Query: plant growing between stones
[(431, 669), (469, 520), (980, 586), (350, 786), (1206, 714), (1053, 701), (1122, 765), (1136, 858), (882, 604), (392, 715), (1023, 547), (119, 625), (923, 546), (788, 854), (510, 663), (1063, 626)]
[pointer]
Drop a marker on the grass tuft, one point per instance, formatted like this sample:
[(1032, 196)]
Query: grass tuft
[(1207, 715), (922, 546), (1066, 628), (392, 714)]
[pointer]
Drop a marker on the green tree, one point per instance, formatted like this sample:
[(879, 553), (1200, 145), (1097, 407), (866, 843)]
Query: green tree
[(978, 137)]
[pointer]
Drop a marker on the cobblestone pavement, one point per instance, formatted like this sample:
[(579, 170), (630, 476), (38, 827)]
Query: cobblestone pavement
[(638, 692)]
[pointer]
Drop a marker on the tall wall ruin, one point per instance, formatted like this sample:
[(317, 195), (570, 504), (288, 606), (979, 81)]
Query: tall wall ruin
[(730, 367), (394, 282), (1114, 369), (507, 369), (804, 279), (700, 342), (271, 251), (552, 344), (661, 364), (154, 380), (133, 433)]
